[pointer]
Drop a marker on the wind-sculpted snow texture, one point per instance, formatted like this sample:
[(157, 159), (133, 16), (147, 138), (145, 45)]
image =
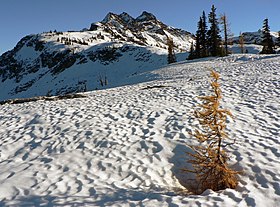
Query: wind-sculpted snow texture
[(125, 146)]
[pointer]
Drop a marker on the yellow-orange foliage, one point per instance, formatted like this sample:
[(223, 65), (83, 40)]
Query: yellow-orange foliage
[(209, 159)]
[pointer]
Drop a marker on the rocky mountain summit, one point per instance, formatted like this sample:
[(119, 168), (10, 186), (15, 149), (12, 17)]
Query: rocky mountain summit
[(107, 54), (127, 28)]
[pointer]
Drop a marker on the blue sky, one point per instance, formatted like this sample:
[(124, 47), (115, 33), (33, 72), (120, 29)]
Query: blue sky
[(19, 18)]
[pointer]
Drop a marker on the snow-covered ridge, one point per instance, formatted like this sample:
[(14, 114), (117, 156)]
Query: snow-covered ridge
[(114, 49)]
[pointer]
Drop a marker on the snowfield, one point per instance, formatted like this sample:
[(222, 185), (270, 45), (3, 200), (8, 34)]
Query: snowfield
[(126, 146)]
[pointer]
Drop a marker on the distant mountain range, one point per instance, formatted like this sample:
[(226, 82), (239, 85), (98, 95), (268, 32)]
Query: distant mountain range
[(107, 54), (115, 51), (255, 37)]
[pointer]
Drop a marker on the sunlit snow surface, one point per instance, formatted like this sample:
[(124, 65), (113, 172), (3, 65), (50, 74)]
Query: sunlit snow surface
[(125, 146)]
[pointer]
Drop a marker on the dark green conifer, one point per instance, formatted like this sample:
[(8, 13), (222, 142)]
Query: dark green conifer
[(201, 40), (191, 53), (278, 40), (267, 41), (198, 35), (204, 52), (171, 58), (213, 34)]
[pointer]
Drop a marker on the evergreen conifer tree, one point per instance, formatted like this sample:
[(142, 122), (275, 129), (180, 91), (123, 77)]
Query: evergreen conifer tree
[(198, 39), (191, 53), (278, 39), (171, 58), (201, 40), (204, 52), (213, 34), (267, 41)]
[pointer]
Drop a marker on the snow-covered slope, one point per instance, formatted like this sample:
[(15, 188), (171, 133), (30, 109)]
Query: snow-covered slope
[(114, 49), (125, 146)]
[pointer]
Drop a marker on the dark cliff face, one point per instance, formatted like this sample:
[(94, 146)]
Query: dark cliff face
[(13, 66), (9, 66), (44, 58)]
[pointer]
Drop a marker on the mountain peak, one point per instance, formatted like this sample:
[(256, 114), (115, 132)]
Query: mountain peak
[(126, 17), (146, 16), (109, 17), (123, 18), (116, 41)]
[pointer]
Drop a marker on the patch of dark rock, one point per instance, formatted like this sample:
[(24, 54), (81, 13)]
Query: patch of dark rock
[(45, 98), (156, 86)]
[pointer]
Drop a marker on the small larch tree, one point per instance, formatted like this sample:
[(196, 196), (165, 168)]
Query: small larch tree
[(226, 31), (241, 43), (209, 159)]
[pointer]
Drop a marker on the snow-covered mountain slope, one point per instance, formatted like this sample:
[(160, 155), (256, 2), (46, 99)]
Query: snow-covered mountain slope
[(118, 47), (126, 146)]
